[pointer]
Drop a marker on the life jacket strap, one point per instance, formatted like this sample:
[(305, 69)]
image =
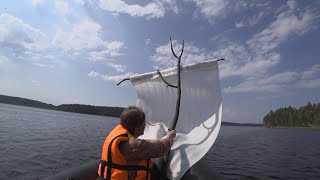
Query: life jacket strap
[(127, 167), (147, 176)]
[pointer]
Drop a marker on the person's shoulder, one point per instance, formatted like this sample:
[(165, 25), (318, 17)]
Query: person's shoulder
[(134, 142)]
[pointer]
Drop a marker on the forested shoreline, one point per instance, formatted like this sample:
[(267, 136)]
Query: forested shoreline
[(76, 108), (85, 109), (305, 116)]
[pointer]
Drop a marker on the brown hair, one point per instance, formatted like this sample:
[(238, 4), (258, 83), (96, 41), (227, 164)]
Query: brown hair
[(131, 118)]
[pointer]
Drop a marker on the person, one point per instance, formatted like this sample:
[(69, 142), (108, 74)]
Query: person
[(124, 156)]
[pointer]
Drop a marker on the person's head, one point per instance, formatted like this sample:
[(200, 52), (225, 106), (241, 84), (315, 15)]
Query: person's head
[(133, 119)]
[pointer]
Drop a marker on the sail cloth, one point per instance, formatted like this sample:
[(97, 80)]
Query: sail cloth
[(200, 111)]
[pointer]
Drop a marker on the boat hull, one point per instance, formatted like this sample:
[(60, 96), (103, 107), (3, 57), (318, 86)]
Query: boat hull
[(199, 171)]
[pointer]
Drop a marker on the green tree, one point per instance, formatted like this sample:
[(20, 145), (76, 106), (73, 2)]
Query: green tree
[(308, 115)]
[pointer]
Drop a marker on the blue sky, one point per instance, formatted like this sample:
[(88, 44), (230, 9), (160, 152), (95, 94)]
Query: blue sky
[(75, 51)]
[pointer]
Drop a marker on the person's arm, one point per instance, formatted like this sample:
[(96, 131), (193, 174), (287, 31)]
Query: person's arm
[(136, 149)]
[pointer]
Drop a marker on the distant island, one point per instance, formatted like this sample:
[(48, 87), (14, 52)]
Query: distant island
[(241, 124), (305, 116), (84, 109), (76, 108)]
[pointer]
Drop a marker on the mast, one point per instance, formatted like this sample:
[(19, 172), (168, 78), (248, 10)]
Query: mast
[(178, 86)]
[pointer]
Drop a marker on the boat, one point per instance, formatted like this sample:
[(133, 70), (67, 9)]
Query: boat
[(199, 171), (199, 119)]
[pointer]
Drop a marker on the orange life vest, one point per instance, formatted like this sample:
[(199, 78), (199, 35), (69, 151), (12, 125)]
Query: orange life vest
[(113, 165)]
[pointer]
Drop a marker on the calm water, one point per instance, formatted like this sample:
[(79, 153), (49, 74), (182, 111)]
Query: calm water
[(36, 143)]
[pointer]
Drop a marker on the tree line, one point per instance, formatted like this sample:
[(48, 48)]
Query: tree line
[(305, 116), (76, 108), (88, 109)]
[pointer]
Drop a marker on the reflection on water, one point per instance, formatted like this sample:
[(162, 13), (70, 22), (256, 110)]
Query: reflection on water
[(37, 143)]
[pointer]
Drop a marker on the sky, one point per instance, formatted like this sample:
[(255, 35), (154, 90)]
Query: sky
[(76, 51)]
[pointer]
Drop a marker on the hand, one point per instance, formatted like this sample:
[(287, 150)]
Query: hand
[(171, 135)]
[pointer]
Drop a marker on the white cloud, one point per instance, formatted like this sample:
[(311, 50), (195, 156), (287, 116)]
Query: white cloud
[(212, 9), (61, 6), (115, 78), (15, 33), (230, 113), (117, 67), (285, 77), (292, 4), (312, 83), (35, 82), (147, 41), (114, 47), (240, 62), (155, 9), (258, 65), (234, 114), (86, 37), (3, 59), (110, 50), (98, 55), (163, 57), (250, 21), (169, 5), (310, 78), (40, 65), (79, 2), (239, 24), (256, 60), (313, 72), (38, 56), (275, 95), (287, 24), (36, 2), (275, 83), (281, 82), (94, 74), (83, 35)]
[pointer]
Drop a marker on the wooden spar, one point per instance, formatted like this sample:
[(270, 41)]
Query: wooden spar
[(126, 79), (176, 115), (178, 86), (122, 81)]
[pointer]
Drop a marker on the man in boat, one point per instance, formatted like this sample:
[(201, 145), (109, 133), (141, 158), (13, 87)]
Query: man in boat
[(124, 156)]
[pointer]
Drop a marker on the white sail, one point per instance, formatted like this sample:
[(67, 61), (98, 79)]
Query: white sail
[(200, 111)]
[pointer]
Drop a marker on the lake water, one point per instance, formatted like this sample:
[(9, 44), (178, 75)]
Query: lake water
[(36, 143)]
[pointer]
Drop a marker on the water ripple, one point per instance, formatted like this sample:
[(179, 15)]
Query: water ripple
[(37, 143)]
